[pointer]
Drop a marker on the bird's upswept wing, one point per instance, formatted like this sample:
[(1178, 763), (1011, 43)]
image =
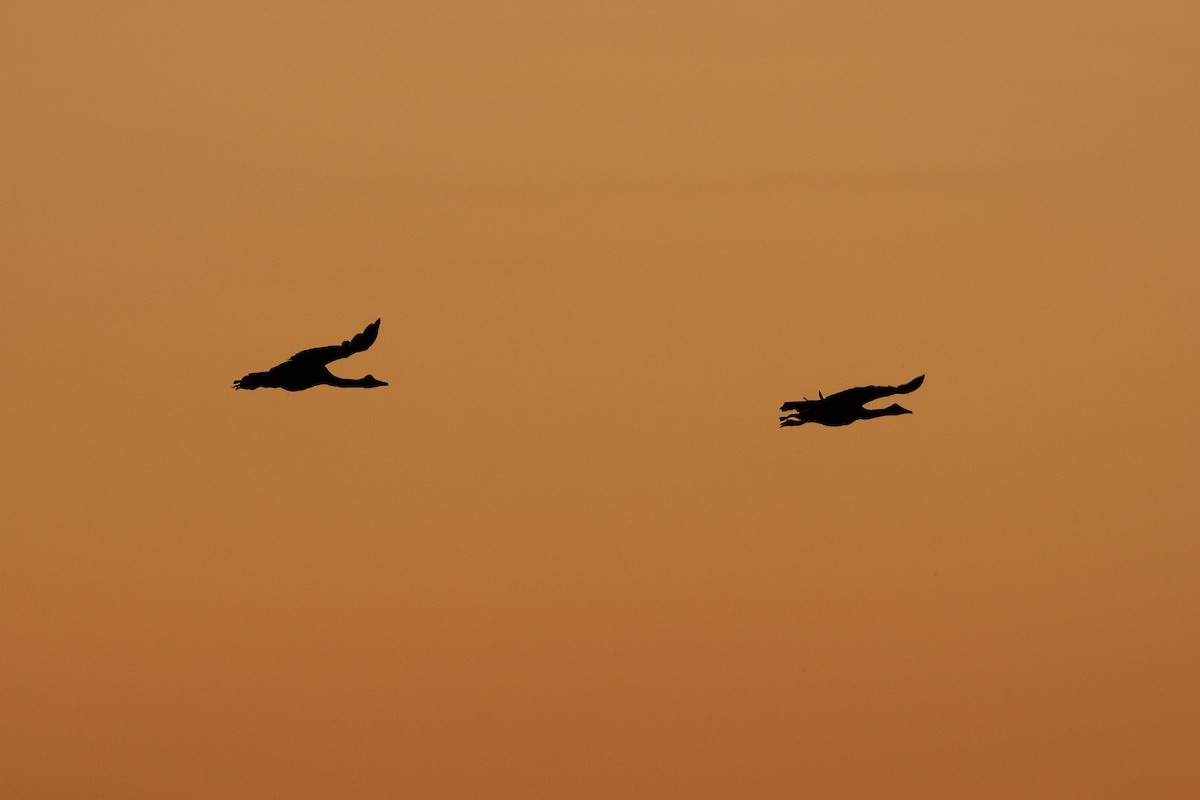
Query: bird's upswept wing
[(323, 355), (860, 395), (864, 394)]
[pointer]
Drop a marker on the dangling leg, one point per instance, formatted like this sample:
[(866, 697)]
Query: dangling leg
[(254, 380)]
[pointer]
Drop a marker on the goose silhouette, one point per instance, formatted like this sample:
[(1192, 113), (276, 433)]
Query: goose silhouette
[(845, 407), (309, 368)]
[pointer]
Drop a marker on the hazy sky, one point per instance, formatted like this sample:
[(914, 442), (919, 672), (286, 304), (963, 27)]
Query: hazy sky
[(567, 553)]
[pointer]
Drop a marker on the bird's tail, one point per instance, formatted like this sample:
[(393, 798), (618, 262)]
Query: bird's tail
[(911, 386), (797, 405)]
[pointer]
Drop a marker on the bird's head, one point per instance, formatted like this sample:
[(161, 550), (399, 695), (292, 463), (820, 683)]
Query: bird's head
[(371, 382), (895, 408)]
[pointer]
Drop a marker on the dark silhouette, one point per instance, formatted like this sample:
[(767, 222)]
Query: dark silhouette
[(308, 368), (845, 407)]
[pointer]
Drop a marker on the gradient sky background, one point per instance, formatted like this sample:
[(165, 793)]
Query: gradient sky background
[(567, 553)]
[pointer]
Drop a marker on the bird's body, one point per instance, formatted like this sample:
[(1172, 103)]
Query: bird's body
[(845, 407), (309, 368)]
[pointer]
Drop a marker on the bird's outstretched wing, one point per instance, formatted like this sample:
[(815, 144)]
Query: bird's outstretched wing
[(864, 394), (323, 355)]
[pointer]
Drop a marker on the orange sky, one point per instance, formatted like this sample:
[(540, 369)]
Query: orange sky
[(567, 553)]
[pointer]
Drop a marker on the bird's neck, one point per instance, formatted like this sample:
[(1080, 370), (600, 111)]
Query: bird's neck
[(349, 383), (890, 411)]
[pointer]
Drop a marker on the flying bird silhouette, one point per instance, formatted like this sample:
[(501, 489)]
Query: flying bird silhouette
[(308, 368), (846, 406)]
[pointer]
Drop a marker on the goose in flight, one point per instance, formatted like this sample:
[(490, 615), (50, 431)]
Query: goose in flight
[(308, 368), (846, 406)]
